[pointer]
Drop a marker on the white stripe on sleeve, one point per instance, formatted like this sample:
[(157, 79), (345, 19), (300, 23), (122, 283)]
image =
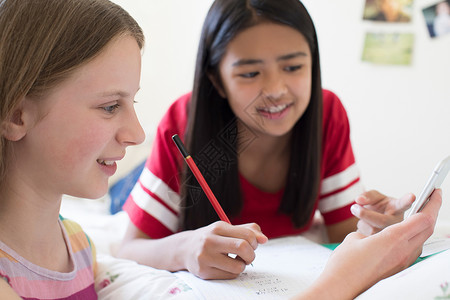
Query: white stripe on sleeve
[(341, 199), (339, 180), (154, 208), (160, 189)]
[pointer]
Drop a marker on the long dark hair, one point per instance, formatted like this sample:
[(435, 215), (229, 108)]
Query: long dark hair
[(211, 129)]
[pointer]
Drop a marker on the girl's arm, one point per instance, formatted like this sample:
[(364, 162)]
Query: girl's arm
[(7, 292), (337, 232), (360, 261), (203, 252)]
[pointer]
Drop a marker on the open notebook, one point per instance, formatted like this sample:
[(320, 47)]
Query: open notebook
[(428, 279), (284, 267)]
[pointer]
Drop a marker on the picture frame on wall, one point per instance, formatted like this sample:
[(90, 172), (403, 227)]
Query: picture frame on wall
[(388, 48), (437, 18), (392, 11)]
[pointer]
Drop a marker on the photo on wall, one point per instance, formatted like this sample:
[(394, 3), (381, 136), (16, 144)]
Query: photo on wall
[(437, 18), (388, 48), (393, 11)]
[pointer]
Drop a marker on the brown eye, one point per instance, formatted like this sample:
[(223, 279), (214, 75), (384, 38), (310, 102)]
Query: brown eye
[(293, 68), (249, 75)]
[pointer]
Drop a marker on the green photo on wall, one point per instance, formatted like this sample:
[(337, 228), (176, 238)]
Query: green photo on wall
[(388, 48)]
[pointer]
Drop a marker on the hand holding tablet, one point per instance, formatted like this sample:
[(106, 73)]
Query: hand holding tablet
[(434, 182)]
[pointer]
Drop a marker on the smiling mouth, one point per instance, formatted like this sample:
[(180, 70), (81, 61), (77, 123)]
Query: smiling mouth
[(273, 109), (105, 162)]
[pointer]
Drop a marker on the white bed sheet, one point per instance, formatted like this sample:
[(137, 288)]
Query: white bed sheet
[(125, 279)]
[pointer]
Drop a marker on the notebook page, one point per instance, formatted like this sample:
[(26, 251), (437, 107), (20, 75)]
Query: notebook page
[(428, 279), (283, 267), (435, 245)]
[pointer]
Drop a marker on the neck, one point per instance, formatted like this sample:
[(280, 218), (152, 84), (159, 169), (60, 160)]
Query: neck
[(264, 162), (29, 221), (29, 211), (265, 146)]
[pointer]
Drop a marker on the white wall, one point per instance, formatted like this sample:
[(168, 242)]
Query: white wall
[(172, 30), (400, 115)]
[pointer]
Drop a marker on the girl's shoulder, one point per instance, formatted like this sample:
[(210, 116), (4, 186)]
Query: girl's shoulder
[(179, 108), (175, 118), (330, 100), (78, 238), (72, 227), (332, 105)]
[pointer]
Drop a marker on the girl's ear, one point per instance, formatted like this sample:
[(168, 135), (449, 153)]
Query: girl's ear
[(16, 127), (217, 84)]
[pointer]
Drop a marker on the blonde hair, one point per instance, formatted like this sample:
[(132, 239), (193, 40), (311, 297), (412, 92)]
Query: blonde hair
[(43, 41)]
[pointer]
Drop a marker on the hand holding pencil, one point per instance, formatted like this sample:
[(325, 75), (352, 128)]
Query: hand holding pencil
[(208, 256)]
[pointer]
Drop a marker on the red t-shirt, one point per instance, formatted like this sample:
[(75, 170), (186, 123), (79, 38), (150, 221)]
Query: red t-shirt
[(153, 205)]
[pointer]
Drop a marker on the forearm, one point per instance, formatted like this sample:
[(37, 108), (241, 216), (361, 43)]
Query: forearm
[(328, 288), (344, 278), (165, 253), (337, 232)]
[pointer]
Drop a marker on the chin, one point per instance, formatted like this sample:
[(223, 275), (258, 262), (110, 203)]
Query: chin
[(277, 132), (91, 192)]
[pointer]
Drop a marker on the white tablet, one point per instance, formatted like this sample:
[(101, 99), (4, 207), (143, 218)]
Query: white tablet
[(434, 182)]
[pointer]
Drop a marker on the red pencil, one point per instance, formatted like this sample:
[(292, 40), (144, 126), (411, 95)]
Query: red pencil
[(201, 180)]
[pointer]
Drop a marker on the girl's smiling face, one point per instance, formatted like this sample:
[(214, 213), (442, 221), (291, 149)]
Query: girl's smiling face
[(266, 76), (84, 124)]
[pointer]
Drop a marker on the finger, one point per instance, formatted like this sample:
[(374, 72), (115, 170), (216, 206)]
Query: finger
[(214, 264), (229, 245), (234, 256), (371, 197), (429, 216), (355, 209), (260, 237), (232, 264), (433, 206), (420, 226), (373, 218), (218, 273), (250, 232), (217, 261), (227, 230), (365, 228), (225, 238), (399, 206), (243, 250)]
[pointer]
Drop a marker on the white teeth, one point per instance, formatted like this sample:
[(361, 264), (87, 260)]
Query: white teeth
[(105, 162), (274, 109)]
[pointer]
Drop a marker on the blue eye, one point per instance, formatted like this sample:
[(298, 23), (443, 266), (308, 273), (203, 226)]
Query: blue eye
[(249, 75), (111, 108)]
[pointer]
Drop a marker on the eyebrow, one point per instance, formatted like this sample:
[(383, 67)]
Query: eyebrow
[(292, 55), (115, 93), (242, 62)]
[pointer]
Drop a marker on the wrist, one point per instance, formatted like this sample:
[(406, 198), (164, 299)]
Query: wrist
[(330, 287), (182, 249)]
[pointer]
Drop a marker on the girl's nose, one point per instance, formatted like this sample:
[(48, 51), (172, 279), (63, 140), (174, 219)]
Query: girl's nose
[(274, 87), (131, 132)]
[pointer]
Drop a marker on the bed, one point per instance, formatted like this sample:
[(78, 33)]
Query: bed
[(125, 279)]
